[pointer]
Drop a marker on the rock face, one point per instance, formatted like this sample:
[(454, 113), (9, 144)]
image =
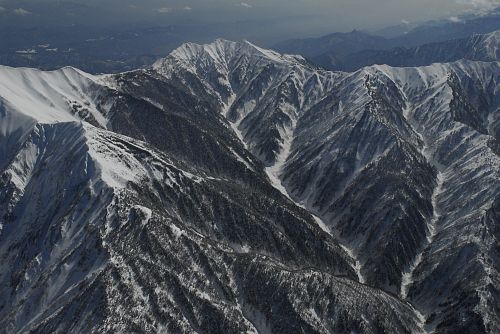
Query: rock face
[(234, 189)]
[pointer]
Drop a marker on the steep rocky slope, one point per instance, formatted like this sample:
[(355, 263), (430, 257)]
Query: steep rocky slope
[(383, 156), (230, 188), (103, 232)]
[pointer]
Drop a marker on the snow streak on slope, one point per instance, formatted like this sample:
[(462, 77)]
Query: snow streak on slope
[(407, 279), (274, 172), (428, 153), (357, 265)]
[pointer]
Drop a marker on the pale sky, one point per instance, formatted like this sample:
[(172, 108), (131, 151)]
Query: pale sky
[(305, 16)]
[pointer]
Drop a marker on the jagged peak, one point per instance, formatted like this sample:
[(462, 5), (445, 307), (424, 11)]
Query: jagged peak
[(222, 51), (188, 51)]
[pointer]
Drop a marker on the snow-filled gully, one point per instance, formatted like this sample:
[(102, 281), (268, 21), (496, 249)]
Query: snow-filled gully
[(428, 152), (274, 173)]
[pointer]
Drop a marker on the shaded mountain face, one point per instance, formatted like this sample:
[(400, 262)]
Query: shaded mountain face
[(230, 188)]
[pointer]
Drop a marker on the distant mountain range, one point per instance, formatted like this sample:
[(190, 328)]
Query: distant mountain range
[(229, 188), (351, 51), (477, 47)]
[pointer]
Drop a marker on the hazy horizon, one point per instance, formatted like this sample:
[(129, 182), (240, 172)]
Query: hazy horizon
[(256, 19)]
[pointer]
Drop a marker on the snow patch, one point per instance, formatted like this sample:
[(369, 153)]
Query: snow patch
[(357, 265)]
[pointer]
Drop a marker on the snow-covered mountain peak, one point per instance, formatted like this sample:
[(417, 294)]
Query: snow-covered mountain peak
[(222, 53), (191, 51)]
